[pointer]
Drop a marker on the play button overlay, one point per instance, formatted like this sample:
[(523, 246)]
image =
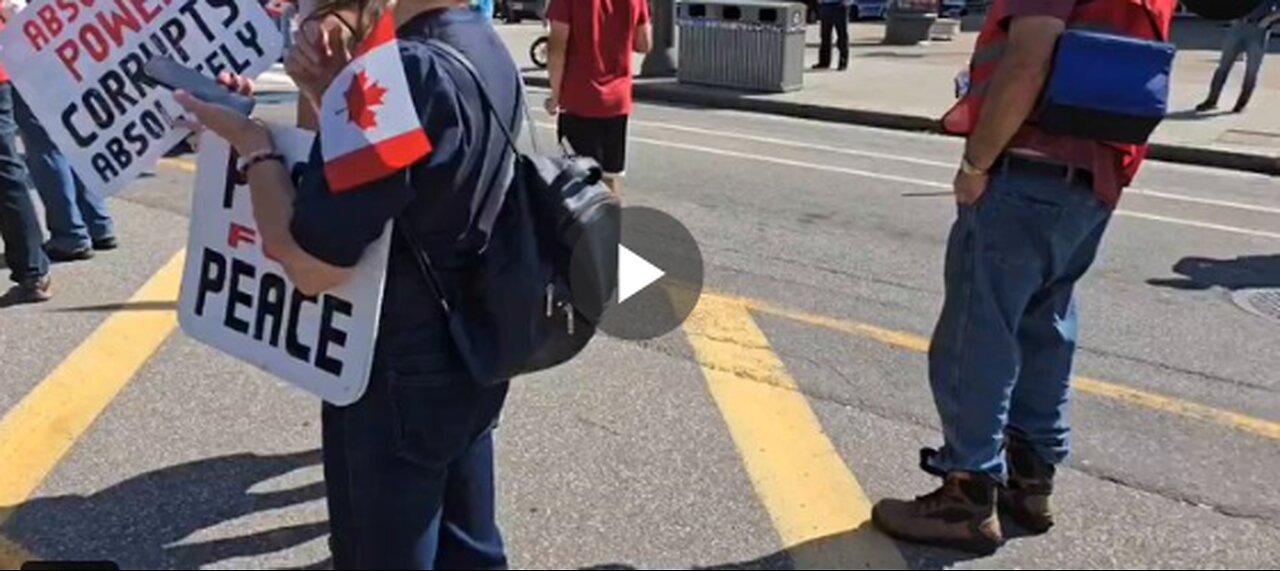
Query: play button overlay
[(660, 276), (634, 273)]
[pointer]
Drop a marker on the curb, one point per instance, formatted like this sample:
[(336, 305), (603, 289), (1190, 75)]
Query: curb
[(671, 93)]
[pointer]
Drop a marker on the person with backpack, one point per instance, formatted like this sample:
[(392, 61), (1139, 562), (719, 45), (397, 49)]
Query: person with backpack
[(1035, 193), (409, 468)]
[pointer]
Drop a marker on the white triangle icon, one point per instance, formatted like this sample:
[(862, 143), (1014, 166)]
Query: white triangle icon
[(634, 273)]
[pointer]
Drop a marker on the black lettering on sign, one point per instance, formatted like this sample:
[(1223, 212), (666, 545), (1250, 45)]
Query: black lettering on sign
[(99, 110), (68, 121), (237, 297), (233, 11), (131, 65), (250, 38), (175, 31), (237, 66), (272, 291), (121, 155), (189, 9), (330, 335), (212, 64), (213, 277), (114, 84), (104, 167), (292, 344)]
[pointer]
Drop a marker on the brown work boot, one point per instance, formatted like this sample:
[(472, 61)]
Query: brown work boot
[(34, 290), (1027, 499), (959, 515)]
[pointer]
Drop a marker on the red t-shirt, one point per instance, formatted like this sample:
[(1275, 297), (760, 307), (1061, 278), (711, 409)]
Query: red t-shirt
[(4, 75), (597, 75)]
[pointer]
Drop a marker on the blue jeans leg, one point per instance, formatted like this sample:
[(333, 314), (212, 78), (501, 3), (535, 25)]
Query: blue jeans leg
[(409, 471), (1232, 46), (74, 215), (19, 224), (1003, 349)]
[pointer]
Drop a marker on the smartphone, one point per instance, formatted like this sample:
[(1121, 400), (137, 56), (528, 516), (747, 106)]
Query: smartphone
[(169, 73)]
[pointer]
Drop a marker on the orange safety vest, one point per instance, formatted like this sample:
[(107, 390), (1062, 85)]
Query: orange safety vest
[(1123, 17)]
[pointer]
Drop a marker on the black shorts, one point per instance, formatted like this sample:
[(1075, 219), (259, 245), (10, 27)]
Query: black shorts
[(604, 140)]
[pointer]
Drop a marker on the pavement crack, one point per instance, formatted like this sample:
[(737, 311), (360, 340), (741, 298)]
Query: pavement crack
[(1258, 515), (597, 425)]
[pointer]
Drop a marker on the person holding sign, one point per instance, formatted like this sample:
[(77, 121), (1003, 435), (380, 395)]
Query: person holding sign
[(403, 136), (19, 225)]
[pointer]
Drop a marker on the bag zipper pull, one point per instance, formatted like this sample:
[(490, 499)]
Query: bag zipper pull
[(551, 300), (568, 315)]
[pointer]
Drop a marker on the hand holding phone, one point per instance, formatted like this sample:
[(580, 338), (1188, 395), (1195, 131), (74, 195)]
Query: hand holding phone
[(173, 75)]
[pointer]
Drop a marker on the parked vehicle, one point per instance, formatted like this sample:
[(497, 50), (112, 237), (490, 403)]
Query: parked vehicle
[(867, 9)]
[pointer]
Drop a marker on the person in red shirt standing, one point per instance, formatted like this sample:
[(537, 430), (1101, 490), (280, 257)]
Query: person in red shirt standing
[(19, 224), (1033, 207), (590, 63)]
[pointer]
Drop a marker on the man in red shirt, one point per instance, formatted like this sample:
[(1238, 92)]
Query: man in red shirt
[(1033, 208), (590, 63), (19, 225)]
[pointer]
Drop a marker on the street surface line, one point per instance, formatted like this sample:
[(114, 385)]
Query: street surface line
[(41, 429), (939, 185), (818, 508), (179, 164), (939, 164), (1128, 395)]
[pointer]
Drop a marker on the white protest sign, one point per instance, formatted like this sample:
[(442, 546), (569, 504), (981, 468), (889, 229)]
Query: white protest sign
[(78, 64), (237, 300)]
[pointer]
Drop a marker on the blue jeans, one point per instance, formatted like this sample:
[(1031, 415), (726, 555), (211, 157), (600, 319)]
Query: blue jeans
[(410, 472), (75, 216), (1250, 40), (1005, 343), (19, 225)]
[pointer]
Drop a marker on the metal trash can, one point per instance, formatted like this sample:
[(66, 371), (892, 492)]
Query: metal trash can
[(747, 44)]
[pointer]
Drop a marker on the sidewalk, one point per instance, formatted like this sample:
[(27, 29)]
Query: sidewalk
[(910, 87)]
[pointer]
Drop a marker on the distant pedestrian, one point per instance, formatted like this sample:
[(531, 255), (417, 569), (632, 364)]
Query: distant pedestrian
[(835, 18), (1250, 36), (592, 42)]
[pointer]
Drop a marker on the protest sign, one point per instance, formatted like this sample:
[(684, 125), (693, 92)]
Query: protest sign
[(237, 300), (79, 66)]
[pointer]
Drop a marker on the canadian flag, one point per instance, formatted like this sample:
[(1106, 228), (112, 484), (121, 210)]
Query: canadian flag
[(369, 128)]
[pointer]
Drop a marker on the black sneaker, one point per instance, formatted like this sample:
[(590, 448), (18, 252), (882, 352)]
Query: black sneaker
[(1206, 107), (76, 255), (821, 67), (105, 244), (35, 290)]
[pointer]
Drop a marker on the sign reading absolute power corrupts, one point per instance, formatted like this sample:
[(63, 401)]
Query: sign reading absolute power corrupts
[(239, 301), (79, 66)]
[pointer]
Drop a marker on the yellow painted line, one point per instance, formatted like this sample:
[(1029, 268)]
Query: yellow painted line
[(41, 429), (179, 164), (1128, 395), (818, 508)]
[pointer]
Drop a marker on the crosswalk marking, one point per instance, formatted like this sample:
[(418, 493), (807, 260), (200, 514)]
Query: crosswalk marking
[(41, 429), (818, 508)]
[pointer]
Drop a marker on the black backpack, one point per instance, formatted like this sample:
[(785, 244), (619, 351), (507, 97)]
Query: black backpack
[(533, 296)]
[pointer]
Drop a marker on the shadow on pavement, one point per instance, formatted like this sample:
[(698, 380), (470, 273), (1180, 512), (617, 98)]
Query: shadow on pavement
[(126, 306), (862, 548), (145, 522), (1246, 272), (1193, 115)]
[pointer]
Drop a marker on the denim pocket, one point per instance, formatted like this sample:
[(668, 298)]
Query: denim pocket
[(432, 418), (1012, 225)]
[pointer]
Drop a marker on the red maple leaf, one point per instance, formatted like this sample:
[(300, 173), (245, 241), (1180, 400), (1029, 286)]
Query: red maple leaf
[(362, 97)]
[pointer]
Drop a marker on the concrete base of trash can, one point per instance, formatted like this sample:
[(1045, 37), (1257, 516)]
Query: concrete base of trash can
[(945, 30), (908, 29)]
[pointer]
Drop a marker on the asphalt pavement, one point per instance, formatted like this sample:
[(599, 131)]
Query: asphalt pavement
[(755, 437)]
